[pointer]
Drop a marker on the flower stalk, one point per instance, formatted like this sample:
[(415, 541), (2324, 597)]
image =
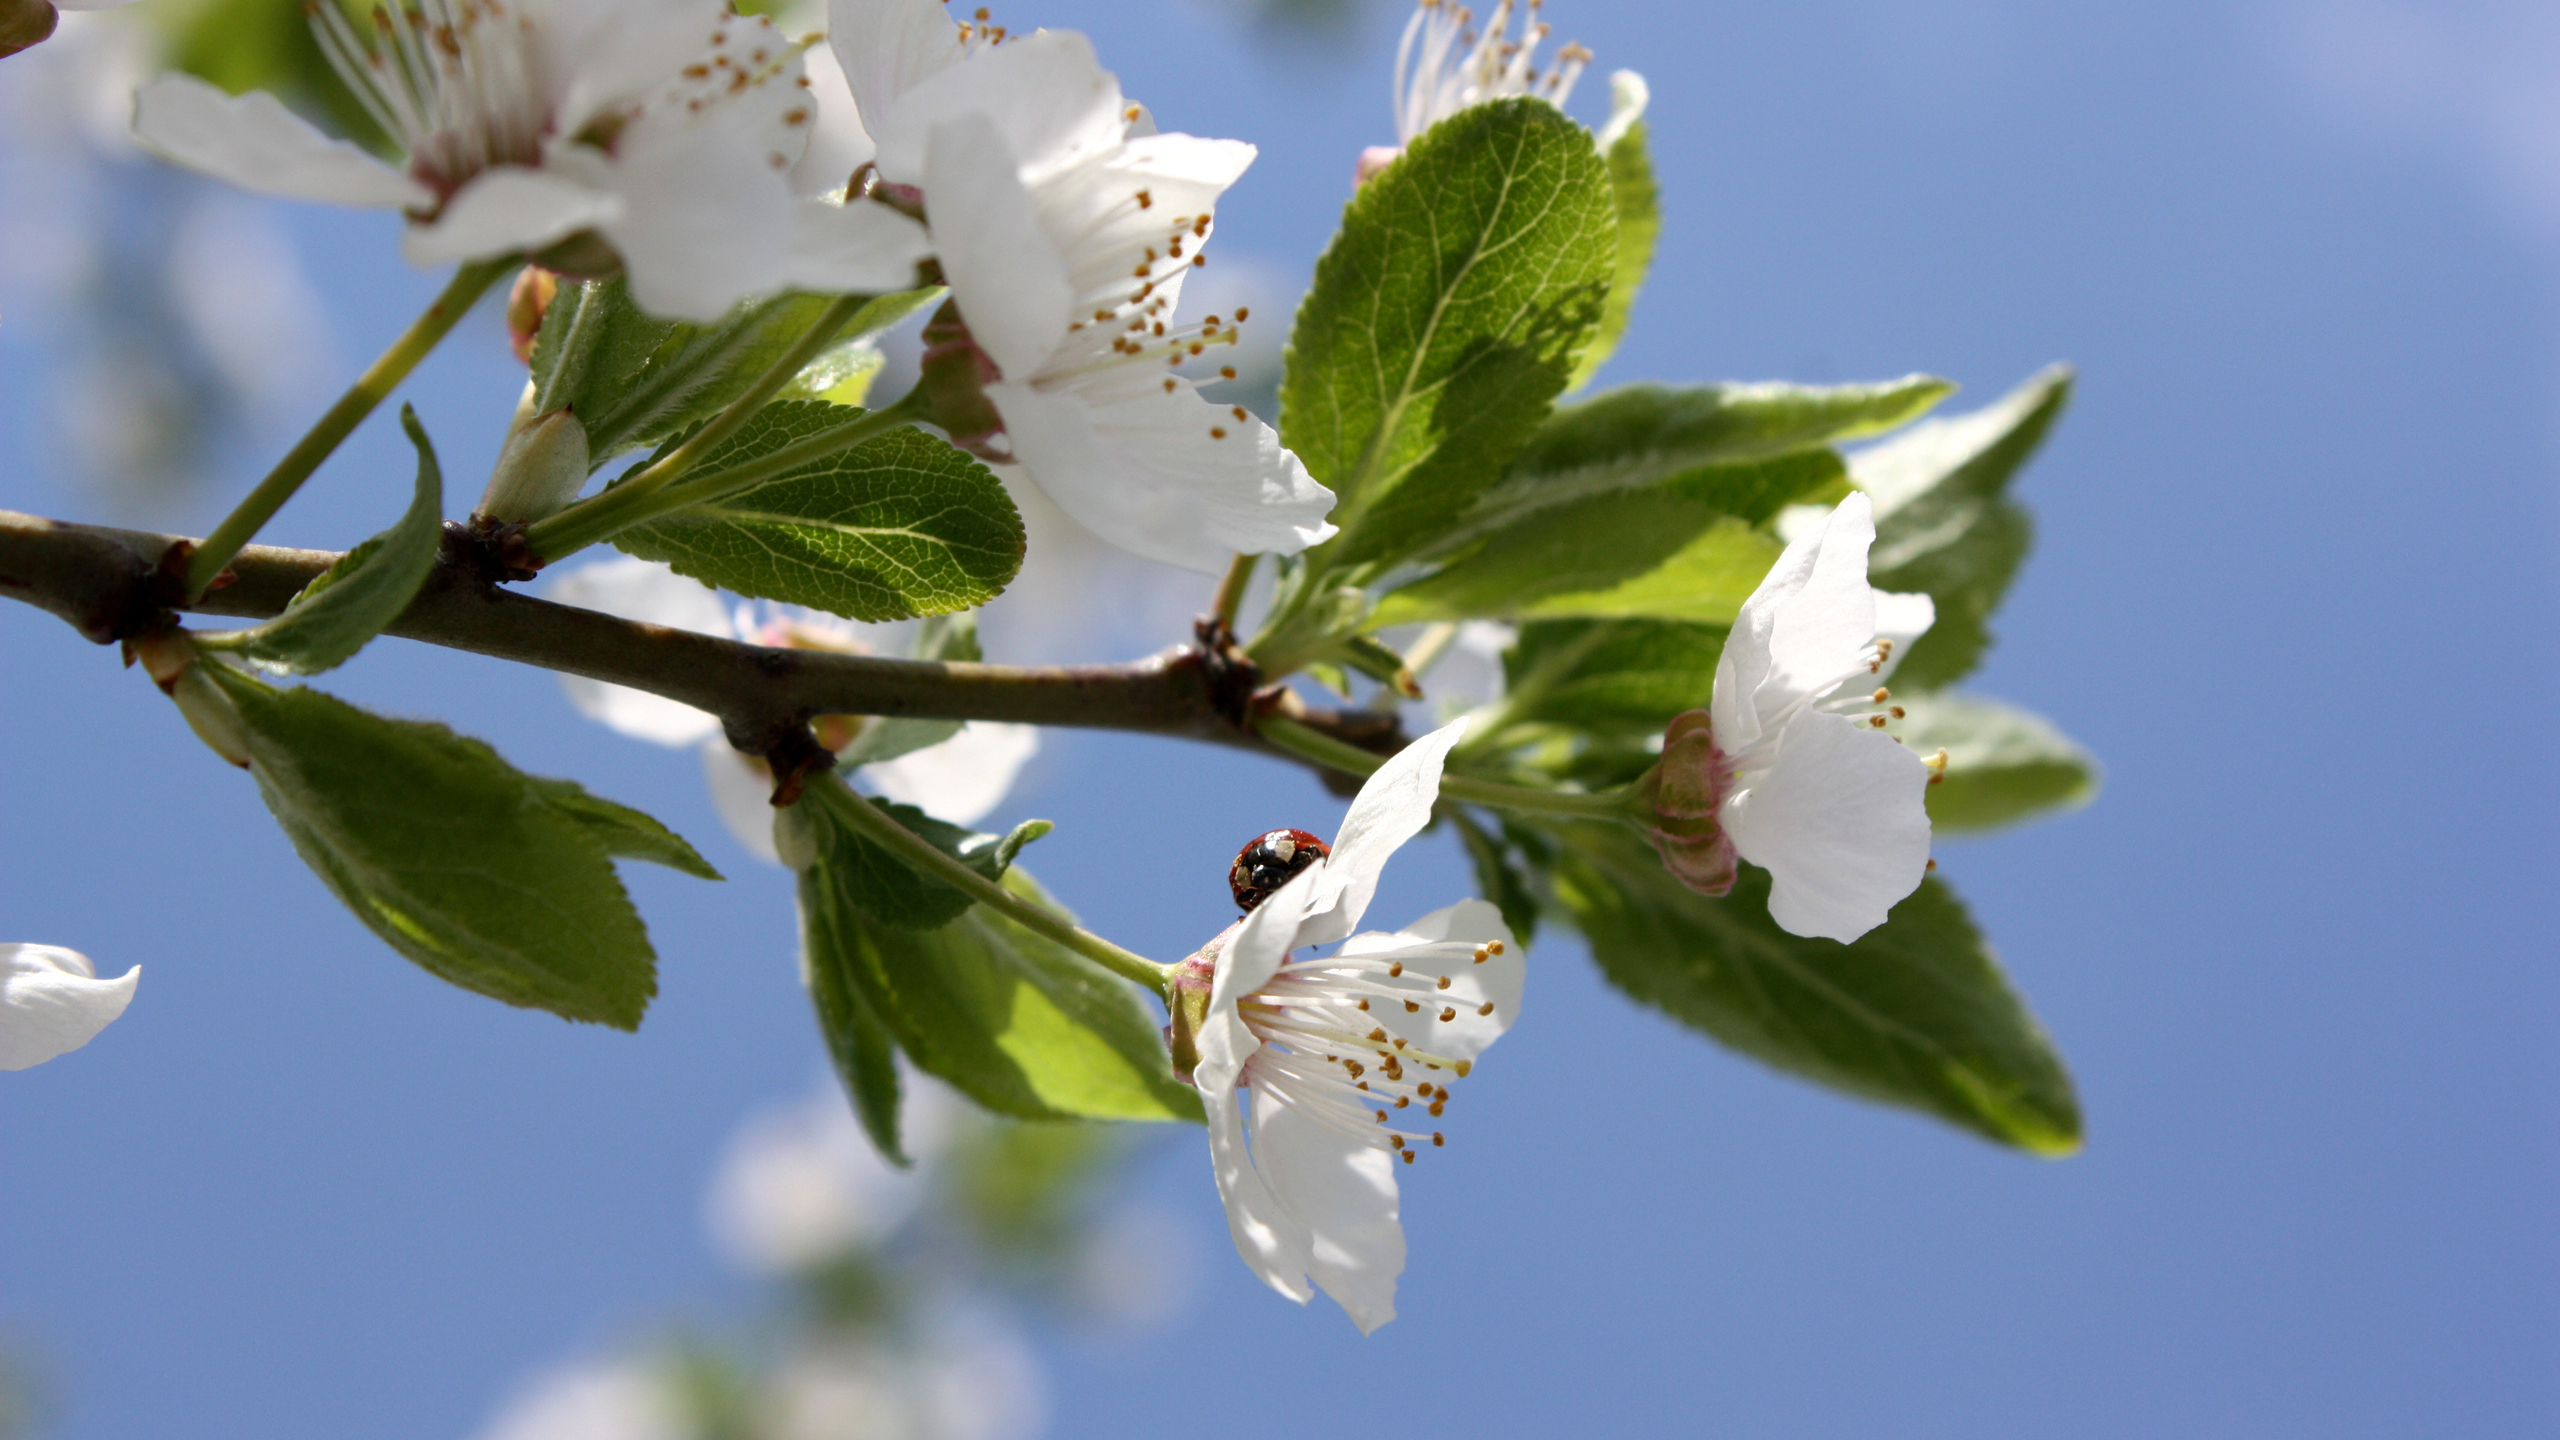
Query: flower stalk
[(861, 816), (370, 389), (1323, 749)]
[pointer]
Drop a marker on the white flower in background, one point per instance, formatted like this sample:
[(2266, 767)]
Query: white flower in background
[(596, 1400), (1065, 225), (959, 780), (968, 1375), (52, 1002), (1790, 767), (1344, 1061), (1445, 65), (668, 128), (801, 1184)]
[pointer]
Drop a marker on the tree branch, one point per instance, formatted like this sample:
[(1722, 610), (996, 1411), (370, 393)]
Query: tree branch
[(113, 584)]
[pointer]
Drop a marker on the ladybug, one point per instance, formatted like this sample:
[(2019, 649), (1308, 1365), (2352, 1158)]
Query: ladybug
[(1270, 861)]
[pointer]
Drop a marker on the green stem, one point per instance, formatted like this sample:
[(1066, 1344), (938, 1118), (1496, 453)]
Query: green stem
[(1231, 589), (377, 382), (877, 827), (631, 503), (1323, 749)]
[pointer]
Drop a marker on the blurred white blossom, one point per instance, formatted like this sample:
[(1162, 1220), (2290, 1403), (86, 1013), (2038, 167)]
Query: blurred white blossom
[(799, 1183)]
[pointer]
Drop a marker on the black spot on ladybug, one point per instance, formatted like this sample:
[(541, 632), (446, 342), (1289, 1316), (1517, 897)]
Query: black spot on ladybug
[(1270, 861)]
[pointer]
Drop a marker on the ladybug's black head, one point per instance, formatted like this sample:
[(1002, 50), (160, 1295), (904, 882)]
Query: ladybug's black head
[(1270, 861)]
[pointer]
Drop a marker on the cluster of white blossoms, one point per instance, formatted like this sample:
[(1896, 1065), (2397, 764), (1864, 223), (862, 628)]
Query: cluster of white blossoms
[(709, 159)]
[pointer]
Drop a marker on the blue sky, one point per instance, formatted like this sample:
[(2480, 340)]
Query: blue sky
[(2294, 584)]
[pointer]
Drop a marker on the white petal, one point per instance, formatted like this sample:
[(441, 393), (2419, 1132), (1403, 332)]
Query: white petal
[(1008, 278), (51, 1002), (838, 145), (1091, 212), (254, 142), (1325, 902), (742, 791), (1803, 629), (506, 209), (962, 778), (852, 249), (1343, 1190), (1497, 980), (1048, 98), (1274, 1243), (1393, 805), (1840, 821), (1150, 471), (648, 592), (886, 48), (614, 51)]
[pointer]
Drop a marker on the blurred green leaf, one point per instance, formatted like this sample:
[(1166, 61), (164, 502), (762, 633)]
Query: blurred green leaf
[(898, 526), (858, 1042), (352, 601), (1690, 547), (2004, 765), (1444, 319), (1639, 208), (1916, 1013), (1498, 877), (1944, 524), (455, 858)]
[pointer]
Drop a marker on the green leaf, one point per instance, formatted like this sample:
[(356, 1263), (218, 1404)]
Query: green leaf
[(1639, 208), (634, 379), (1498, 879), (455, 858), (1944, 524), (865, 1054), (1445, 318), (1642, 435), (362, 594), (1692, 547), (2004, 765), (899, 526), (623, 832), (1011, 1019), (882, 885), (944, 638), (1916, 1013), (1609, 677)]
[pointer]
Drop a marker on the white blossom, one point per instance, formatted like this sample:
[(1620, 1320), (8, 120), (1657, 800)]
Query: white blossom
[(1446, 64), (668, 128), (800, 1184), (960, 779), (1344, 1061), (52, 1002), (1065, 225), (1791, 767)]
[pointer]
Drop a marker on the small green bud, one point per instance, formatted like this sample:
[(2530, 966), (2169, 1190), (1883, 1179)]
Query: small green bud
[(540, 470), (172, 662)]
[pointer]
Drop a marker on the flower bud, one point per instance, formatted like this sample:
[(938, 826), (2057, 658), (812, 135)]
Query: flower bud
[(1374, 160), (953, 382), (24, 23), (1681, 795), (1187, 992), (541, 469), (794, 838), (527, 302)]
